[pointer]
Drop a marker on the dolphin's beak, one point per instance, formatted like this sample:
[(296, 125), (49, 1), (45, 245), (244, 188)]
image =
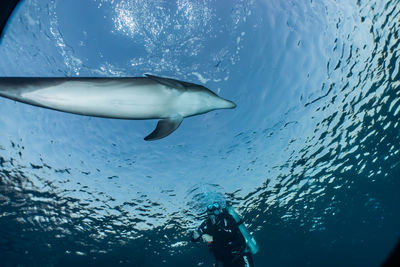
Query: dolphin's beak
[(229, 104), (221, 103)]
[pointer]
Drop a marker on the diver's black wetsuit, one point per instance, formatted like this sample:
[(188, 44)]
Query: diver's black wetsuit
[(228, 246)]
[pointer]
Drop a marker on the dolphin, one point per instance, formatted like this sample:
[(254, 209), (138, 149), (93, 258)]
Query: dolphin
[(137, 98)]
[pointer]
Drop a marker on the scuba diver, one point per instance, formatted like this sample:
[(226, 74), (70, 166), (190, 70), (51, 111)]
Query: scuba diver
[(227, 237)]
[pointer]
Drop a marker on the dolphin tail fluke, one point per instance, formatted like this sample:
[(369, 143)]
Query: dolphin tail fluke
[(164, 128)]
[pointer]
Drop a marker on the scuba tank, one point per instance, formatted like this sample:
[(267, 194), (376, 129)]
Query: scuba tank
[(250, 241)]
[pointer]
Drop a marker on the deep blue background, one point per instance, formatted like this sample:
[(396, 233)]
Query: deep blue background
[(310, 156)]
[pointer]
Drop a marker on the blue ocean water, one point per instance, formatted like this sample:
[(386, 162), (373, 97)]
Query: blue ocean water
[(310, 156)]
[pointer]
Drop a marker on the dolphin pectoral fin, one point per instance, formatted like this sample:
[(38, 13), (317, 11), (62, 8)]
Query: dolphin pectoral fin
[(167, 82), (164, 128)]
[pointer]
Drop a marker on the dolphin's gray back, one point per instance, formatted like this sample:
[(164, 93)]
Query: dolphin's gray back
[(12, 83), (14, 86)]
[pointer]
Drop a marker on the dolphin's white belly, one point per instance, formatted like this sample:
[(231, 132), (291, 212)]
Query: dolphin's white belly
[(111, 99)]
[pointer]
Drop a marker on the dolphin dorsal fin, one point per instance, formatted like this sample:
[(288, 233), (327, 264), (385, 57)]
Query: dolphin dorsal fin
[(167, 82), (164, 128)]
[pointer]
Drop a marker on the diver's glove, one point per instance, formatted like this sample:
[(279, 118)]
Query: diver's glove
[(207, 238), (195, 235)]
